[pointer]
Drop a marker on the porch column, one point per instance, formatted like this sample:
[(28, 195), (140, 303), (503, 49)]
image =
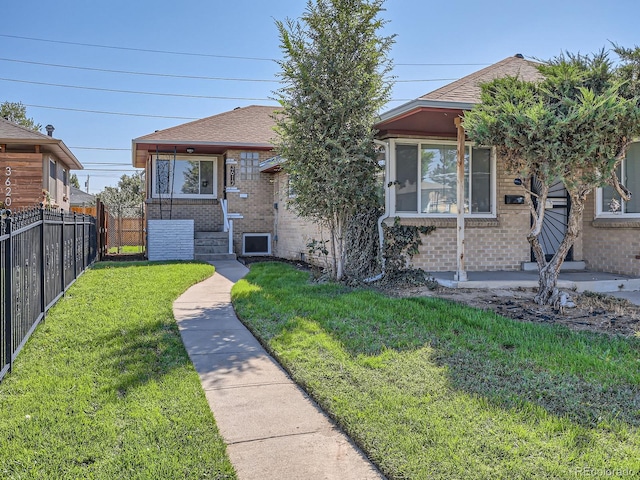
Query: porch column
[(461, 273)]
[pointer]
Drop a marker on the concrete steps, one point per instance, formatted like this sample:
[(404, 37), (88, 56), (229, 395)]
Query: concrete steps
[(212, 246)]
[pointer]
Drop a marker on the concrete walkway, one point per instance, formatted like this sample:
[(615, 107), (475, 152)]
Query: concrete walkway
[(271, 427)]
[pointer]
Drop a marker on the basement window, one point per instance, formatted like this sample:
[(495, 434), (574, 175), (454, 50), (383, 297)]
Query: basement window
[(256, 244)]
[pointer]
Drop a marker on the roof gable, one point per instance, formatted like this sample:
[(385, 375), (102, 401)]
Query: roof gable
[(252, 125), (467, 89)]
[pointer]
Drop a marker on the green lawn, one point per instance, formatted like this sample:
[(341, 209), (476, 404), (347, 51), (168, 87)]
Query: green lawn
[(430, 389), (104, 389), (126, 249)]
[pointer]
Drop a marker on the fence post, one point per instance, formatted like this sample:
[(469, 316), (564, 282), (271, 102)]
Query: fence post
[(8, 293), (62, 252), (43, 265), (75, 246)]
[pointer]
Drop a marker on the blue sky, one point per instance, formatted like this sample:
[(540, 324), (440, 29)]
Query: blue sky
[(471, 33)]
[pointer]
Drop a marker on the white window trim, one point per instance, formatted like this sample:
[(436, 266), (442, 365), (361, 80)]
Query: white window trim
[(201, 158), (268, 235), (418, 141), (601, 213)]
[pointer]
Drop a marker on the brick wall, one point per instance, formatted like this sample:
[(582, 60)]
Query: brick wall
[(253, 199), (206, 214), (610, 244), (490, 244), (293, 233), (170, 240)]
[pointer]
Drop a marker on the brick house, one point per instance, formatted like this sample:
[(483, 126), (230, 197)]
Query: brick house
[(31, 163), (204, 185), (421, 138), (246, 185)]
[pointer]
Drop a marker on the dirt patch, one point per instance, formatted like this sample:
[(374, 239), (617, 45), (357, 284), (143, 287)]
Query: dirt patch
[(593, 312), (124, 257), (248, 260)]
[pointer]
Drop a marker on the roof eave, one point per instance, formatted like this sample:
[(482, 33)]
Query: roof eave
[(140, 140), (57, 146), (421, 103)]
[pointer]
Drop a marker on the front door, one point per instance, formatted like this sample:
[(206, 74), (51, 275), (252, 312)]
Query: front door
[(556, 215)]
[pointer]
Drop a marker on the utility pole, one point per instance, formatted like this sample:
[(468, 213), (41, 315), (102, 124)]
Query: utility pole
[(86, 184)]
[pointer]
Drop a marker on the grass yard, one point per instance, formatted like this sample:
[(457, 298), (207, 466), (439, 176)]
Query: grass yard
[(104, 389), (126, 249), (431, 389)]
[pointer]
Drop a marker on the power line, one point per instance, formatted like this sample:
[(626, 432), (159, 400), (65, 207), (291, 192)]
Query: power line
[(147, 50), (189, 77), (150, 74), (100, 148), (109, 113), (441, 64), (236, 57), (107, 170), (426, 80), (184, 95), (131, 91)]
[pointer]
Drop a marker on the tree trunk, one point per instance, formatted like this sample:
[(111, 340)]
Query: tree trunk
[(341, 254), (334, 256), (548, 292)]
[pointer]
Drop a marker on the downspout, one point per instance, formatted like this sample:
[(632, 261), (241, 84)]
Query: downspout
[(385, 214)]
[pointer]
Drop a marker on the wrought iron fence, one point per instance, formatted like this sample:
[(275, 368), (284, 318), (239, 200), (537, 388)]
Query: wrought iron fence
[(42, 252)]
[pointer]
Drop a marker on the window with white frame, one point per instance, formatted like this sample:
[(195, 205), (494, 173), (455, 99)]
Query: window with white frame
[(435, 164), (249, 165), (185, 177), (609, 201)]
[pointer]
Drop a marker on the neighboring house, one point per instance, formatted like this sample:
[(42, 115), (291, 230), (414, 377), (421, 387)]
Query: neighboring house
[(421, 138), (82, 202), (204, 173), (33, 163)]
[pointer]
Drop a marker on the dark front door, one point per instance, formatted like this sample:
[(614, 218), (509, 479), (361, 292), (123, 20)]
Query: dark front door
[(556, 215)]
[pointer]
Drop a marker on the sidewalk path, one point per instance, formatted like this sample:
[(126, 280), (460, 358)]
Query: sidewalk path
[(271, 427)]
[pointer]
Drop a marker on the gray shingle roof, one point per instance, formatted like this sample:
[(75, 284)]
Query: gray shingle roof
[(252, 125), (78, 197), (13, 134), (13, 131), (467, 89)]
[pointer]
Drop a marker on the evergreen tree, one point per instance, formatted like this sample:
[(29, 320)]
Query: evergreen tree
[(334, 72), (574, 126)]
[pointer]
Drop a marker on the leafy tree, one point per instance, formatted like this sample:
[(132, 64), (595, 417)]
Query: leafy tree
[(16, 112), (335, 81), (126, 199), (73, 180), (575, 125)]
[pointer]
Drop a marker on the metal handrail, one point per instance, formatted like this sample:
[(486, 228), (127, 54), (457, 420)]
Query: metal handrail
[(225, 215)]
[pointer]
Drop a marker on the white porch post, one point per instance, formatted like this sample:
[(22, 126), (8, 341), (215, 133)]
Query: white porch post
[(461, 273)]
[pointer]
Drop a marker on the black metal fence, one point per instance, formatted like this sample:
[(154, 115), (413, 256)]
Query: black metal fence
[(42, 252)]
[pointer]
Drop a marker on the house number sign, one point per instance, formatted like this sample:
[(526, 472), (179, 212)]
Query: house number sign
[(7, 187)]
